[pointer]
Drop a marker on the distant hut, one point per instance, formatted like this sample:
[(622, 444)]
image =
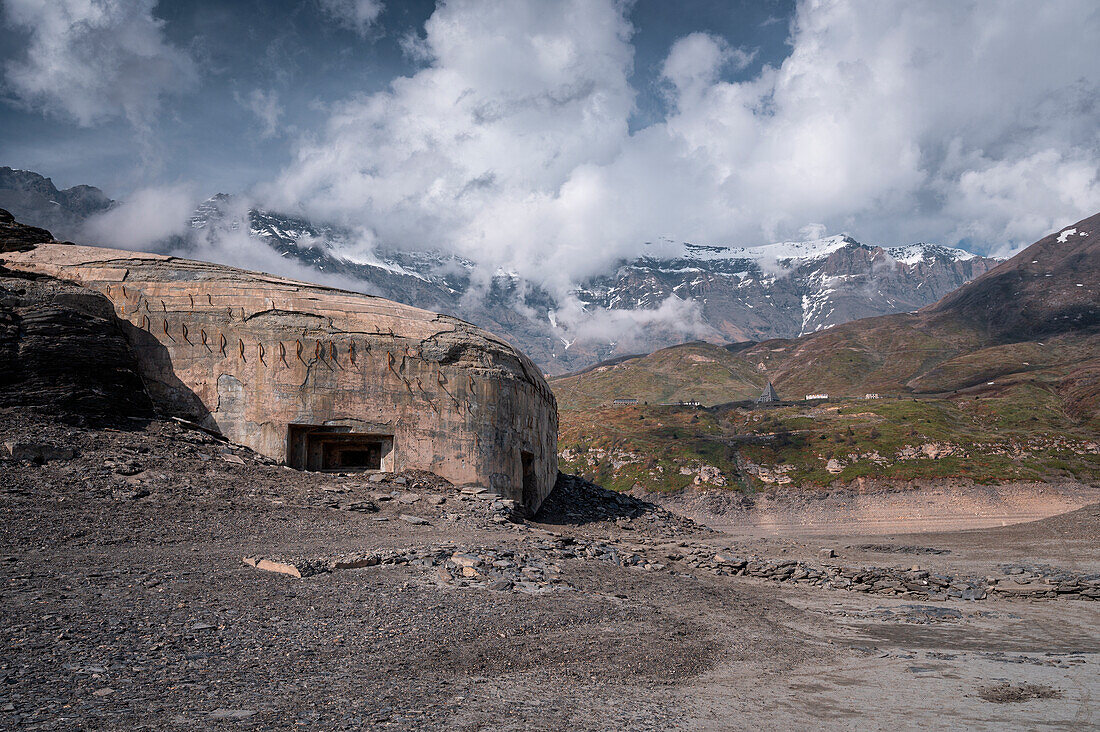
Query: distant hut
[(768, 396)]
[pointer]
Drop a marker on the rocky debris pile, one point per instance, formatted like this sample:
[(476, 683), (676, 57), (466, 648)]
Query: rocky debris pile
[(914, 583), (1006, 693), (576, 501), (535, 567), (904, 549), (1044, 581), (420, 487), (496, 568), (532, 566)]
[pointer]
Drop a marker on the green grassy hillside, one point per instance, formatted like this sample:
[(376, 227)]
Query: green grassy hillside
[(697, 371), (1017, 433)]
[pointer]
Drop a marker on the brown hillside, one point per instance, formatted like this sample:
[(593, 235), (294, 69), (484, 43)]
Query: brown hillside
[(1034, 318), (1051, 287)]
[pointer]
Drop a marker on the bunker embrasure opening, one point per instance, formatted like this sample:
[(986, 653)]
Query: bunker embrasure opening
[(333, 448)]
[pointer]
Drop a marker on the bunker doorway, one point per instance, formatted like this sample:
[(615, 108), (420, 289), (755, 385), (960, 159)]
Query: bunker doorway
[(324, 448), (530, 482)]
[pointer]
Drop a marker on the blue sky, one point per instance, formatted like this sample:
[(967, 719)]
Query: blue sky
[(554, 137), (298, 51)]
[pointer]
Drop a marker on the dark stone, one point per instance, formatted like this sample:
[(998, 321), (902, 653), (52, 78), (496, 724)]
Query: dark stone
[(62, 350), (15, 237)]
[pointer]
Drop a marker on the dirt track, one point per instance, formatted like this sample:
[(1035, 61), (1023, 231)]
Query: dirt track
[(127, 605)]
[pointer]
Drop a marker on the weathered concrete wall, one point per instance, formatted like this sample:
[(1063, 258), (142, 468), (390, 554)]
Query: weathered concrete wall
[(249, 354)]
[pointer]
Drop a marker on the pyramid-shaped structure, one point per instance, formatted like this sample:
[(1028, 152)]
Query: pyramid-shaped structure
[(768, 395)]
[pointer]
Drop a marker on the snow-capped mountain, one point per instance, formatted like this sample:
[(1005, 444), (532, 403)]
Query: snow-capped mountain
[(778, 290), (788, 289)]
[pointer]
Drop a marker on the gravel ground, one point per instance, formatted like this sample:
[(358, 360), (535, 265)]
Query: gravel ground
[(128, 603)]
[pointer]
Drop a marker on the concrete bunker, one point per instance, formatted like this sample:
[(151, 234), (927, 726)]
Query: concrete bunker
[(324, 379)]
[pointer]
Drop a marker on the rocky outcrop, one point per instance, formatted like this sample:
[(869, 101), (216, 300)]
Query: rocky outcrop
[(1018, 582), (62, 350), (15, 237)]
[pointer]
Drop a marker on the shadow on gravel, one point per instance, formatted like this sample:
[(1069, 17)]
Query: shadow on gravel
[(576, 501)]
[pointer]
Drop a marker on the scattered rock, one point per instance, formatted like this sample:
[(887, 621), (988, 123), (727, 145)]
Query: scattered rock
[(37, 452), (466, 560), (269, 566), (230, 714), (357, 563), (727, 558), (415, 520), (1008, 693)]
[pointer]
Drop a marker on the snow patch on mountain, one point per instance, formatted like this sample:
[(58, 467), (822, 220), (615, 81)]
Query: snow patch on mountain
[(916, 253)]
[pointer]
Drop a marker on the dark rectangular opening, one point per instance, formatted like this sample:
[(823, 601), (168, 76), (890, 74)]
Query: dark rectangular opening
[(530, 486), (319, 447), (351, 454)]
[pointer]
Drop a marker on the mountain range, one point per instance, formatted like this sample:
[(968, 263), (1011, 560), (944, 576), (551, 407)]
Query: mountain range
[(781, 290), (1031, 325)]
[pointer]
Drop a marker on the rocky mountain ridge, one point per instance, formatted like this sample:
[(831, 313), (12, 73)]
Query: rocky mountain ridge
[(789, 289), (779, 290), (35, 200)]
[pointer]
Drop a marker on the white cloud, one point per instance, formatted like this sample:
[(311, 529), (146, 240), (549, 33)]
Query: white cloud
[(146, 220), (986, 200), (893, 121), (674, 320), (91, 60), (266, 107), (158, 219), (495, 149), (696, 60), (358, 15)]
